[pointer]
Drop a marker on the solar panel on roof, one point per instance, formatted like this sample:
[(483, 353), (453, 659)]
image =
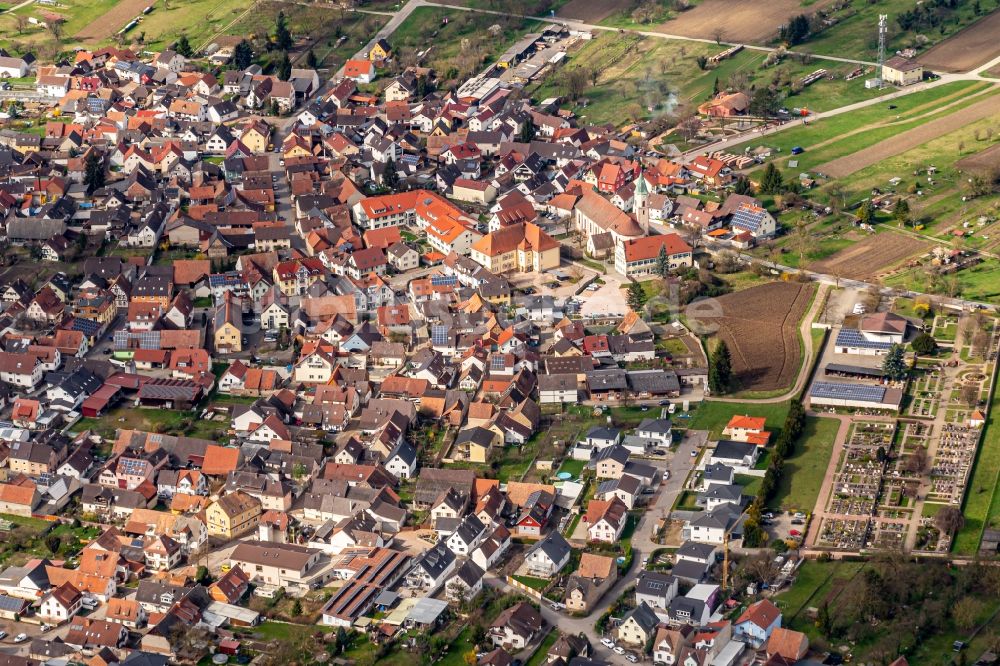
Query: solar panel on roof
[(859, 392), (497, 363), (748, 219), (444, 280), (852, 337), (439, 335)]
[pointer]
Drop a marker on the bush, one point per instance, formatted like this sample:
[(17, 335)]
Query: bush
[(924, 344)]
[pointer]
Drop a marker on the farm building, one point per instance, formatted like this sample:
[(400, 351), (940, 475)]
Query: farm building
[(859, 396), (900, 71)]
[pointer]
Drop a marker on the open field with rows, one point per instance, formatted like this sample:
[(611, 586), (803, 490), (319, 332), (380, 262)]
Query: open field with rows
[(760, 326), (739, 21), (967, 49), (870, 257), (903, 141)]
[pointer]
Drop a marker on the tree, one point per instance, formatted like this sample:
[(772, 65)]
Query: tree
[(949, 520), (390, 177), (636, 296), (243, 55), (969, 394), (93, 176), (527, 132), (702, 62), (765, 102), (21, 21), (55, 26), (901, 212), (894, 365), (743, 186), (311, 59), (663, 262), (52, 542), (965, 612), (183, 47), (924, 344), (720, 369), (296, 608), (866, 214), (771, 182), (916, 462), (718, 35), (282, 37), (576, 83), (796, 30), (284, 67)]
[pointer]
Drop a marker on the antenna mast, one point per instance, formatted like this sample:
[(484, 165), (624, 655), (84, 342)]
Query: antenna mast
[(882, 20)]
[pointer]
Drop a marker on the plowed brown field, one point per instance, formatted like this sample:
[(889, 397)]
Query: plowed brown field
[(871, 257), (761, 327)]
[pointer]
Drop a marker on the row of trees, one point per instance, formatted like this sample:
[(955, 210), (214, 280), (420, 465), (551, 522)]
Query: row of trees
[(754, 535)]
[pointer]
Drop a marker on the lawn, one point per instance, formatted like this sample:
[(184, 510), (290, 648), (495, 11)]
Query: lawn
[(169, 422), (541, 654), (982, 497), (538, 584), (751, 484), (713, 416), (574, 467), (813, 582), (803, 472)]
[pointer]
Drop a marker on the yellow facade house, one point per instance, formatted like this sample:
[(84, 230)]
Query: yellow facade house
[(520, 248), (233, 515)]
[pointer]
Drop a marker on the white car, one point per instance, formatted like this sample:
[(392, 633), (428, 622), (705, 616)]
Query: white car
[(694, 454), (3, 635), (607, 642), (618, 649), (20, 638), (632, 658)]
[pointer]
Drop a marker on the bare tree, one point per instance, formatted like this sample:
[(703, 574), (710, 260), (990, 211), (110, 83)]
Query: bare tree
[(949, 520), (916, 462), (718, 35), (969, 394), (55, 26), (21, 20)]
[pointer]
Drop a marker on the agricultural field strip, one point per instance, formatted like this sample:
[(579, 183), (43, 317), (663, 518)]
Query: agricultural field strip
[(900, 143)]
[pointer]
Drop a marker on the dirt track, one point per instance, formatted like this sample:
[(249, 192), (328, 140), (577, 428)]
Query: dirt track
[(589, 11), (113, 20), (749, 21), (845, 166), (968, 48)]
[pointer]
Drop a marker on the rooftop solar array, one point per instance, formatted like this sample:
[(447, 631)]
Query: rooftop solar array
[(748, 218), (856, 392), (444, 280), (852, 337), (440, 335)]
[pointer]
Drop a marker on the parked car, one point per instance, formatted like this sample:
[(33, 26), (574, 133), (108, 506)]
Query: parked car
[(618, 649), (3, 635), (20, 638), (632, 658), (607, 642)]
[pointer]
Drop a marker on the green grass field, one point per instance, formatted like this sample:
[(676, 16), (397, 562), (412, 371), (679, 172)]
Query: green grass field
[(713, 416), (855, 33), (848, 133), (982, 497), (803, 473)]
